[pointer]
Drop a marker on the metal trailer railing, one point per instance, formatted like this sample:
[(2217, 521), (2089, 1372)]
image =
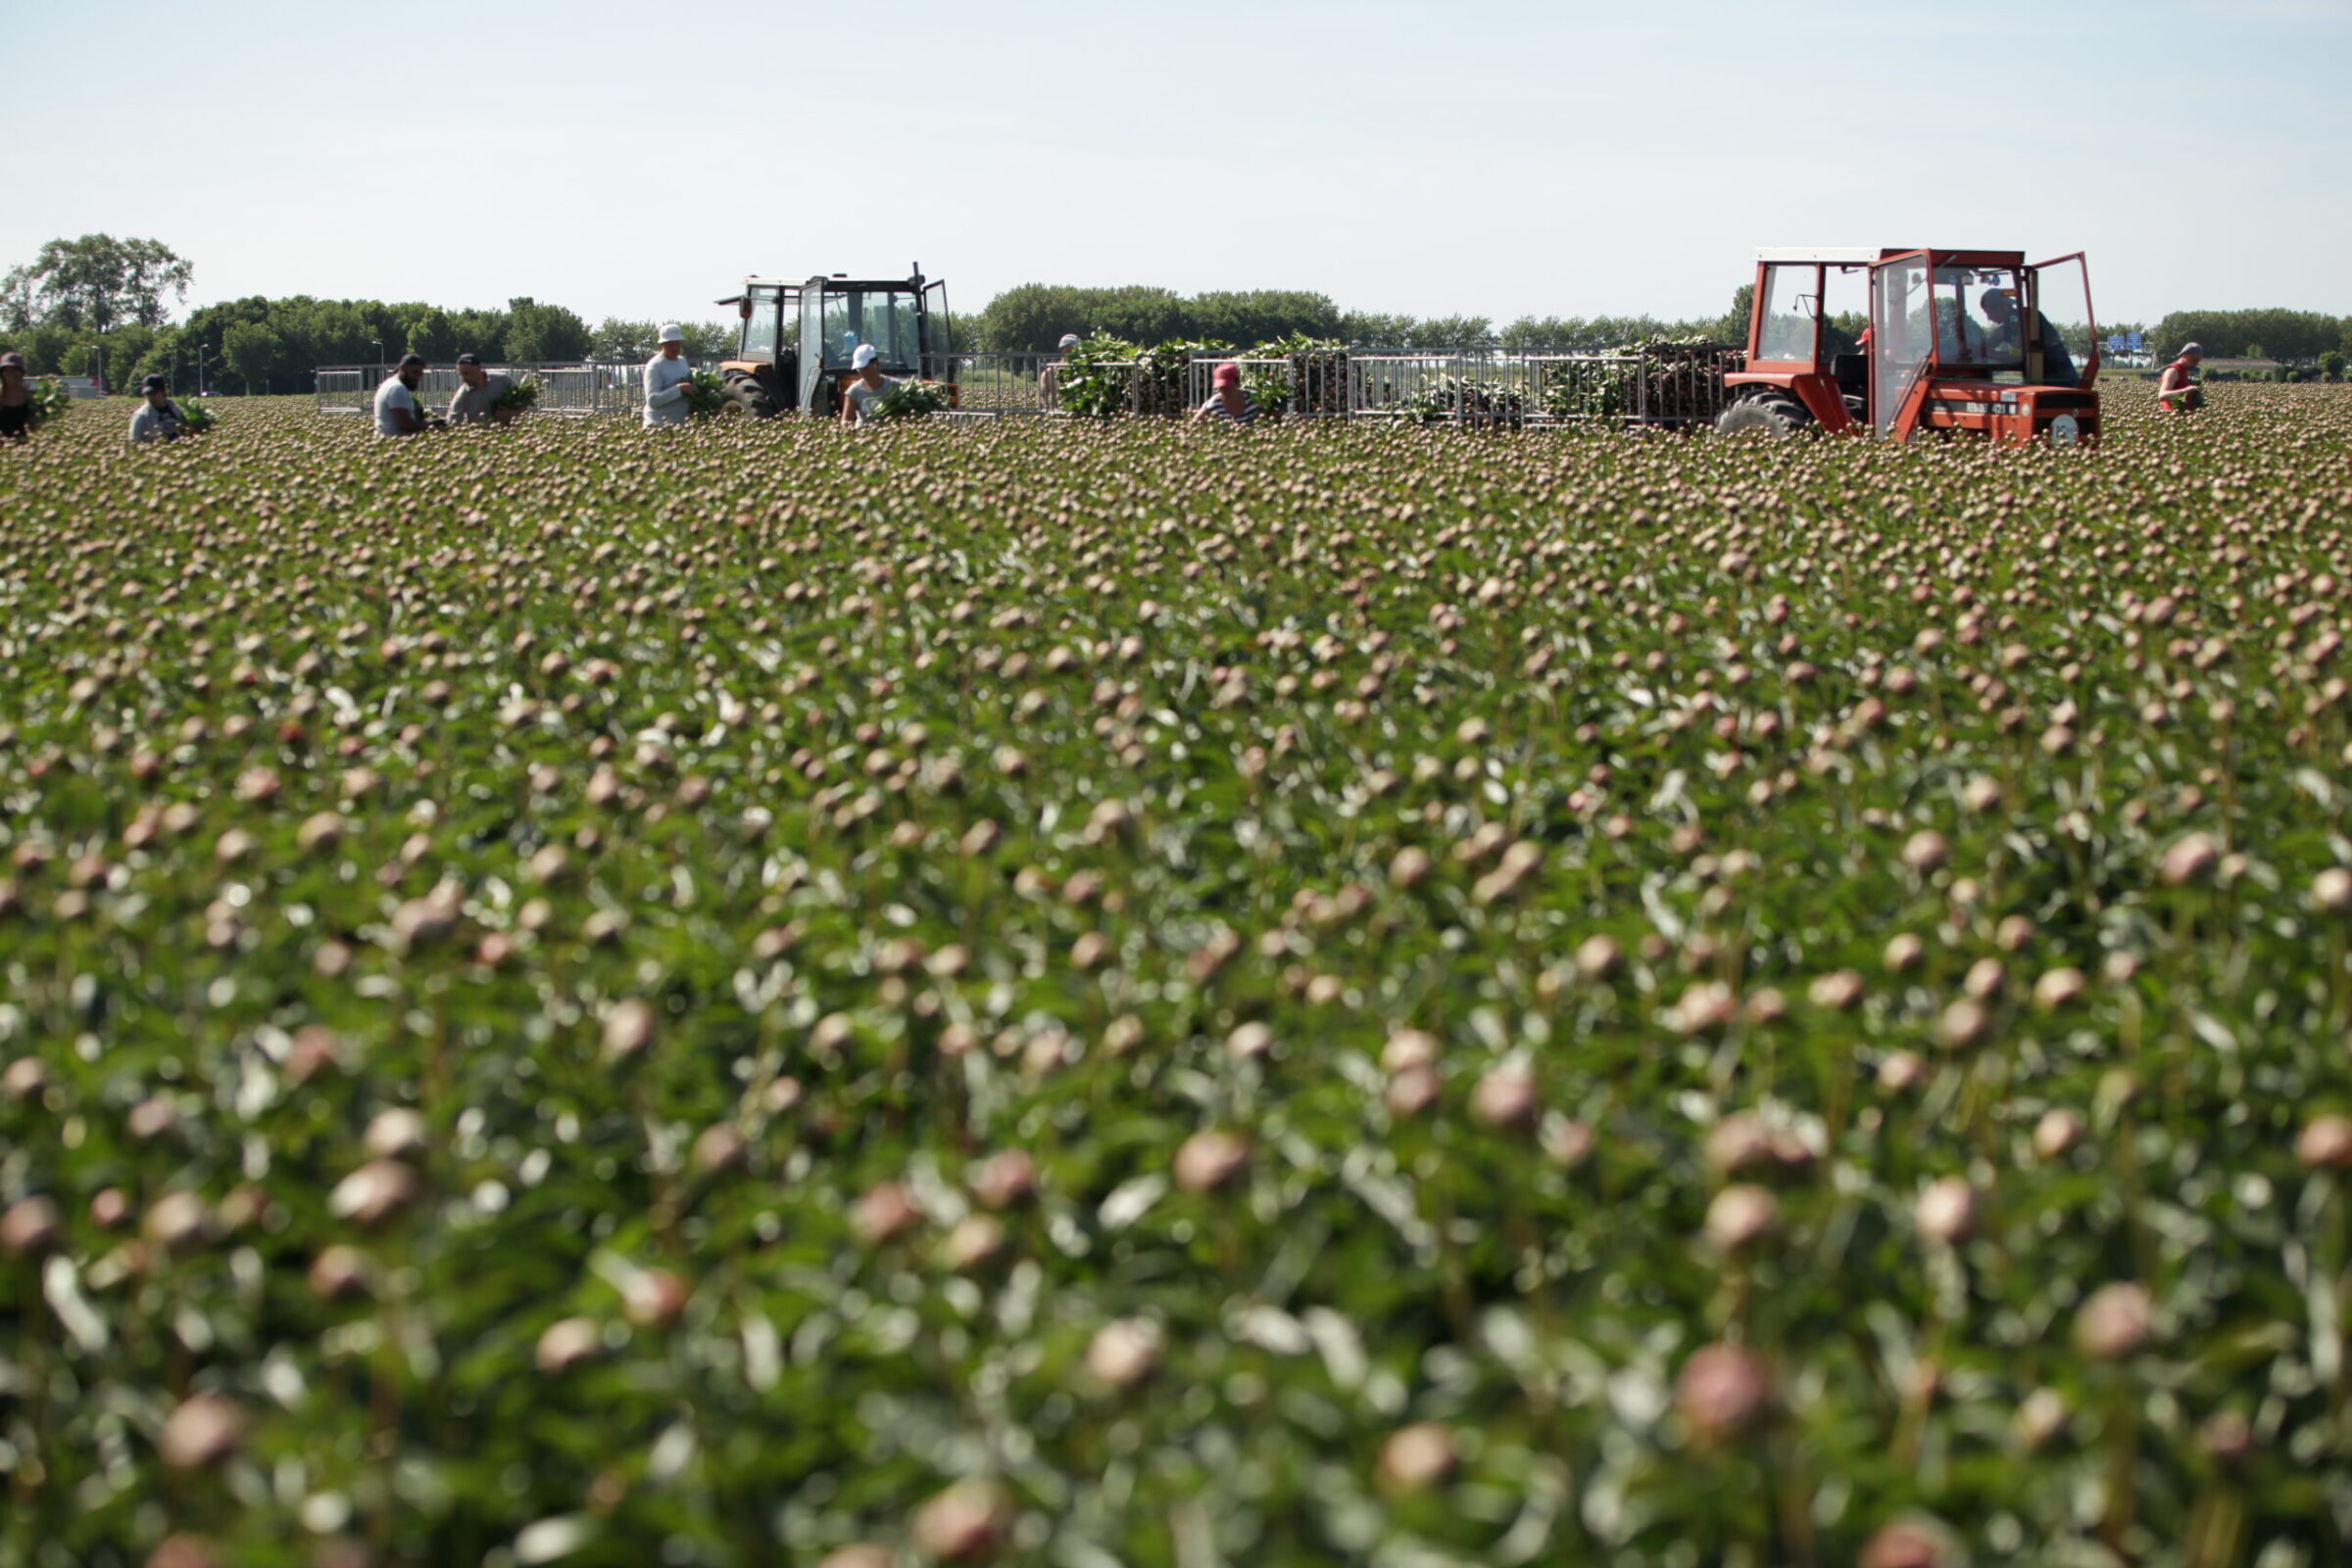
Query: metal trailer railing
[(1664, 384), (567, 386)]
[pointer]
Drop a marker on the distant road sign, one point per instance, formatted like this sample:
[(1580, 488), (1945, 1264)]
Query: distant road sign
[(2136, 342), (2115, 343)]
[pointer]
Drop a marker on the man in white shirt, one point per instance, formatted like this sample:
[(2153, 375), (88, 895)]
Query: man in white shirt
[(396, 410), (665, 377)]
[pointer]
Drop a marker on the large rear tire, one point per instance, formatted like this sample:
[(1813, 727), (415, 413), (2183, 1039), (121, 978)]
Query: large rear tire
[(747, 399), (1773, 414)]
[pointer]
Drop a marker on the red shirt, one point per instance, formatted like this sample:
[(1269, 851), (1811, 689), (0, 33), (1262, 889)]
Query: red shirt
[(2167, 387)]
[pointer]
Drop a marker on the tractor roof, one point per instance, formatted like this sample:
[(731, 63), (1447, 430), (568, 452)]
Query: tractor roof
[(1865, 255)]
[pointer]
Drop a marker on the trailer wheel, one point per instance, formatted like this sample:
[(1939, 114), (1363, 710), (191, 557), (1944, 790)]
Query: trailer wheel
[(747, 399), (1769, 413)]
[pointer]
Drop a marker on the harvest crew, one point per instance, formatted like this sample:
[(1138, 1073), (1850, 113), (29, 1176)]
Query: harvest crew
[(476, 398), (1227, 402), (665, 377), (396, 409), (159, 418), (16, 398), (2177, 390), (858, 399)]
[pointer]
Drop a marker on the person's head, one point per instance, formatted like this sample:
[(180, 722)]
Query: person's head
[(866, 361), (673, 341), (470, 370), (1228, 378), (1997, 306), (1069, 341), (2191, 352), (12, 367), (157, 391), (412, 370)]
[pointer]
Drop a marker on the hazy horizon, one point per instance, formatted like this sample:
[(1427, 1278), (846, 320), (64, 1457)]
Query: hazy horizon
[(1496, 160)]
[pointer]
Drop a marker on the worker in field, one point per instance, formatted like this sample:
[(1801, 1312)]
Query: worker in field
[(1227, 402), (159, 418), (2177, 389), (666, 375), (16, 398), (476, 402), (395, 409), (1048, 380), (2006, 339), (866, 387)]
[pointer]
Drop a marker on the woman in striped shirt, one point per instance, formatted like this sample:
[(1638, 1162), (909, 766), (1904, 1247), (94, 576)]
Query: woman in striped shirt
[(1228, 402)]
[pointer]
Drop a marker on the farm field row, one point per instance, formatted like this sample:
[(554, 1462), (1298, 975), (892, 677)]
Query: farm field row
[(1170, 996)]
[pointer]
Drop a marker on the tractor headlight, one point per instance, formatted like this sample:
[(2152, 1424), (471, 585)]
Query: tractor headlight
[(2065, 430)]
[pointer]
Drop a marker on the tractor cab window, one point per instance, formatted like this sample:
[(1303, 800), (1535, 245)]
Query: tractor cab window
[(1791, 310), (886, 319), (759, 327), (1980, 319)]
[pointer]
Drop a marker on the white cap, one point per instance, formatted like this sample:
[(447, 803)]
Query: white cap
[(866, 355), (672, 334), (1069, 340)]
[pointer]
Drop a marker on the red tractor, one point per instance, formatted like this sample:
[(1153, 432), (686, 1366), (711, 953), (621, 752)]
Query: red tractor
[(1955, 340)]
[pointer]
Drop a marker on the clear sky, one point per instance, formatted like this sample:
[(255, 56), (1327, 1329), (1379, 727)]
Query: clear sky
[(1480, 157)]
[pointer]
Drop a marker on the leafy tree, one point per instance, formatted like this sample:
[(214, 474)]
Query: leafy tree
[(94, 282), (251, 351), (536, 331), (433, 335)]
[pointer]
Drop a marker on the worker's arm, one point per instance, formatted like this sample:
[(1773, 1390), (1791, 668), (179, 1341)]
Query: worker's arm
[(404, 421)]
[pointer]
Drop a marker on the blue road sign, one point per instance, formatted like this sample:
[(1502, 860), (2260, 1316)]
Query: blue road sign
[(2134, 342)]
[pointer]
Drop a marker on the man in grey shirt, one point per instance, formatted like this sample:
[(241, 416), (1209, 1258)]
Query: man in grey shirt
[(476, 398), (159, 418)]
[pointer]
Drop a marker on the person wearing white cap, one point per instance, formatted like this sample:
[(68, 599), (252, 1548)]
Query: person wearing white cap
[(665, 377), (1048, 380), (858, 399)]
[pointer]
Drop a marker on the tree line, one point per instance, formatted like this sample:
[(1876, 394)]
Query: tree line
[(2292, 337), (1033, 317), (102, 306)]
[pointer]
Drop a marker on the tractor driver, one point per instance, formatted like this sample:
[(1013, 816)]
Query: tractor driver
[(2006, 341)]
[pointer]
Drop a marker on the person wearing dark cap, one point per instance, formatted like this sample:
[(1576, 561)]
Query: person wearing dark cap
[(2005, 340), (159, 418), (16, 398), (476, 402), (396, 409)]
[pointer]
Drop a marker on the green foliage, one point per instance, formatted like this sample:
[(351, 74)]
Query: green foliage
[(93, 284), (251, 351), (1097, 378), (2331, 365), (2294, 336), (706, 393), (520, 394), (1033, 317), (195, 417), (912, 397), (48, 401)]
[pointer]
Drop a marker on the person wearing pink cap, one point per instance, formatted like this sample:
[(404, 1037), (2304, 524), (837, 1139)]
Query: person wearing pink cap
[(1228, 402)]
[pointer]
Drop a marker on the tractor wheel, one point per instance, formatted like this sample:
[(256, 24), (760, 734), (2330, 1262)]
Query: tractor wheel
[(1770, 414), (747, 399)]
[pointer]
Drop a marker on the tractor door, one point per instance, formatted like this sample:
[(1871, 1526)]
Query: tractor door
[(1903, 337), (2068, 337), (937, 333), (812, 347)]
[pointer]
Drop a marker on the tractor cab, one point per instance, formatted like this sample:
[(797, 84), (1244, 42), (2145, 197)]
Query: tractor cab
[(1950, 340), (797, 338)]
